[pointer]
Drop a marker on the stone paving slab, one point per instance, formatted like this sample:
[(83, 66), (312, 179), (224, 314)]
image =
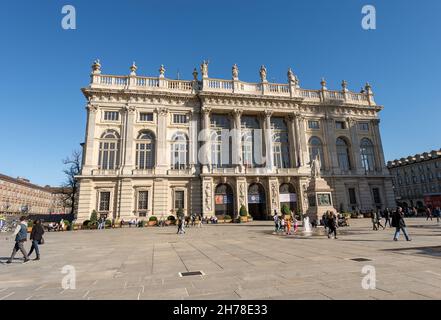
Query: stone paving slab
[(239, 261)]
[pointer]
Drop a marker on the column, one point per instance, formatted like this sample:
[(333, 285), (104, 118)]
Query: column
[(128, 162), (268, 141), (293, 152), (355, 146), (193, 140), (301, 140), (379, 146), (92, 111), (237, 146), (331, 144), (161, 166), (205, 151)]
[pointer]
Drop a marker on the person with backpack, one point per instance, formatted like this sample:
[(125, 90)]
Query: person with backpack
[(21, 234), (399, 224), (36, 238)]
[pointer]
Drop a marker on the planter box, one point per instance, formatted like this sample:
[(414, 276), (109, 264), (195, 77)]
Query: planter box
[(152, 223), (228, 221), (220, 221), (243, 219), (250, 219)]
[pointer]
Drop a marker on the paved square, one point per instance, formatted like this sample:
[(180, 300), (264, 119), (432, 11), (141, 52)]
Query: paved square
[(238, 261)]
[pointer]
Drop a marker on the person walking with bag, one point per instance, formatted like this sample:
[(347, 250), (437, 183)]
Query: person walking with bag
[(36, 238), (21, 234), (399, 224), (332, 225)]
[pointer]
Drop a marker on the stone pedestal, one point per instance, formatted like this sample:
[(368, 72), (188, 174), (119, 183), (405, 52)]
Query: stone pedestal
[(319, 195)]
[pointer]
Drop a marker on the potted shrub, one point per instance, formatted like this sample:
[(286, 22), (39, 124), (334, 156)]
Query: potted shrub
[(227, 218), (94, 216), (108, 224), (285, 210), (153, 220), (67, 225), (30, 225), (170, 220), (243, 214), (85, 224), (92, 225)]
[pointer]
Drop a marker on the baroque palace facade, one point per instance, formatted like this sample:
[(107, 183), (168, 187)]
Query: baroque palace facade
[(154, 145)]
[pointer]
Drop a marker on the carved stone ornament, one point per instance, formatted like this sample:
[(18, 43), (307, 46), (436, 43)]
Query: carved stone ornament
[(208, 195)]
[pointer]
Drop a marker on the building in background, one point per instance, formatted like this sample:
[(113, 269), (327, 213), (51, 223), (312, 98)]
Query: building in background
[(20, 196), (417, 179), (143, 148)]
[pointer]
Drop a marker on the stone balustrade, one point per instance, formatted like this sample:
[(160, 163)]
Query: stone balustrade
[(132, 82)]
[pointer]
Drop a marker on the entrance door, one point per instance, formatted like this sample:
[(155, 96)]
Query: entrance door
[(257, 202), (288, 197), (223, 200)]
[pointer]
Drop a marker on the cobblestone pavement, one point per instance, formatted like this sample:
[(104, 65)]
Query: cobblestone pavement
[(238, 261)]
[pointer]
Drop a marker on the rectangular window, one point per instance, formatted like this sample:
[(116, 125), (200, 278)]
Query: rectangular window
[(363, 126), (145, 116), (111, 115), (179, 200), (376, 194), (143, 200), (340, 125), (313, 124), (352, 197), (104, 201), (180, 118)]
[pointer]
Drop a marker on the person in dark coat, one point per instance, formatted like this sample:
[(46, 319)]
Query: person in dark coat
[(36, 238), (20, 234), (332, 225), (399, 224)]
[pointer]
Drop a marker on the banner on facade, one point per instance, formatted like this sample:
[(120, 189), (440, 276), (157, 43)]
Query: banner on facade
[(288, 197), (222, 199), (255, 198)]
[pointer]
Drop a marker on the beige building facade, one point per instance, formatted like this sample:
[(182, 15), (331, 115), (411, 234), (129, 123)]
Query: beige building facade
[(210, 146), (20, 196), (416, 178)]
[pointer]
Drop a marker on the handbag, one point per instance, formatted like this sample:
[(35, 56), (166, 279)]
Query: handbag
[(41, 241)]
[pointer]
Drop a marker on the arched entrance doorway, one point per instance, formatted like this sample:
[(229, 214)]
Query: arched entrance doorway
[(223, 200), (288, 197), (257, 201)]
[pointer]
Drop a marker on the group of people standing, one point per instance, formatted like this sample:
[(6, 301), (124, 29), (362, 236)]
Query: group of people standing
[(21, 235), (330, 223), (285, 224)]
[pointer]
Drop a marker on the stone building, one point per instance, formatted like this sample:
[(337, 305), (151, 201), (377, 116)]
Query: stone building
[(416, 177), (154, 145), (20, 196)]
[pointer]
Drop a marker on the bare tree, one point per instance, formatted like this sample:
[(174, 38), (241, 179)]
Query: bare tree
[(71, 187)]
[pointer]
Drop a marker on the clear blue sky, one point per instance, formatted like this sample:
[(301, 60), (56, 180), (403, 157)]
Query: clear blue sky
[(43, 66)]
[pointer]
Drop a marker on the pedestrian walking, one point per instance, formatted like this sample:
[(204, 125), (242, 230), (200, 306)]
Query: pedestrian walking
[(180, 226), (387, 214), (288, 226), (282, 225), (428, 214), (36, 238), (374, 221), (378, 214), (399, 224), (332, 225), (276, 222), (20, 234)]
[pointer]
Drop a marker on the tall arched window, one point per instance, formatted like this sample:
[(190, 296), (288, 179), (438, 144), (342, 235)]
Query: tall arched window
[(179, 151), (145, 151), (343, 155), (280, 143), (220, 153), (316, 149), (251, 149), (108, 158), (367, 154)]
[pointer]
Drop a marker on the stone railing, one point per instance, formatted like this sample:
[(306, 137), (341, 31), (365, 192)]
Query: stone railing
[(228, 86)]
